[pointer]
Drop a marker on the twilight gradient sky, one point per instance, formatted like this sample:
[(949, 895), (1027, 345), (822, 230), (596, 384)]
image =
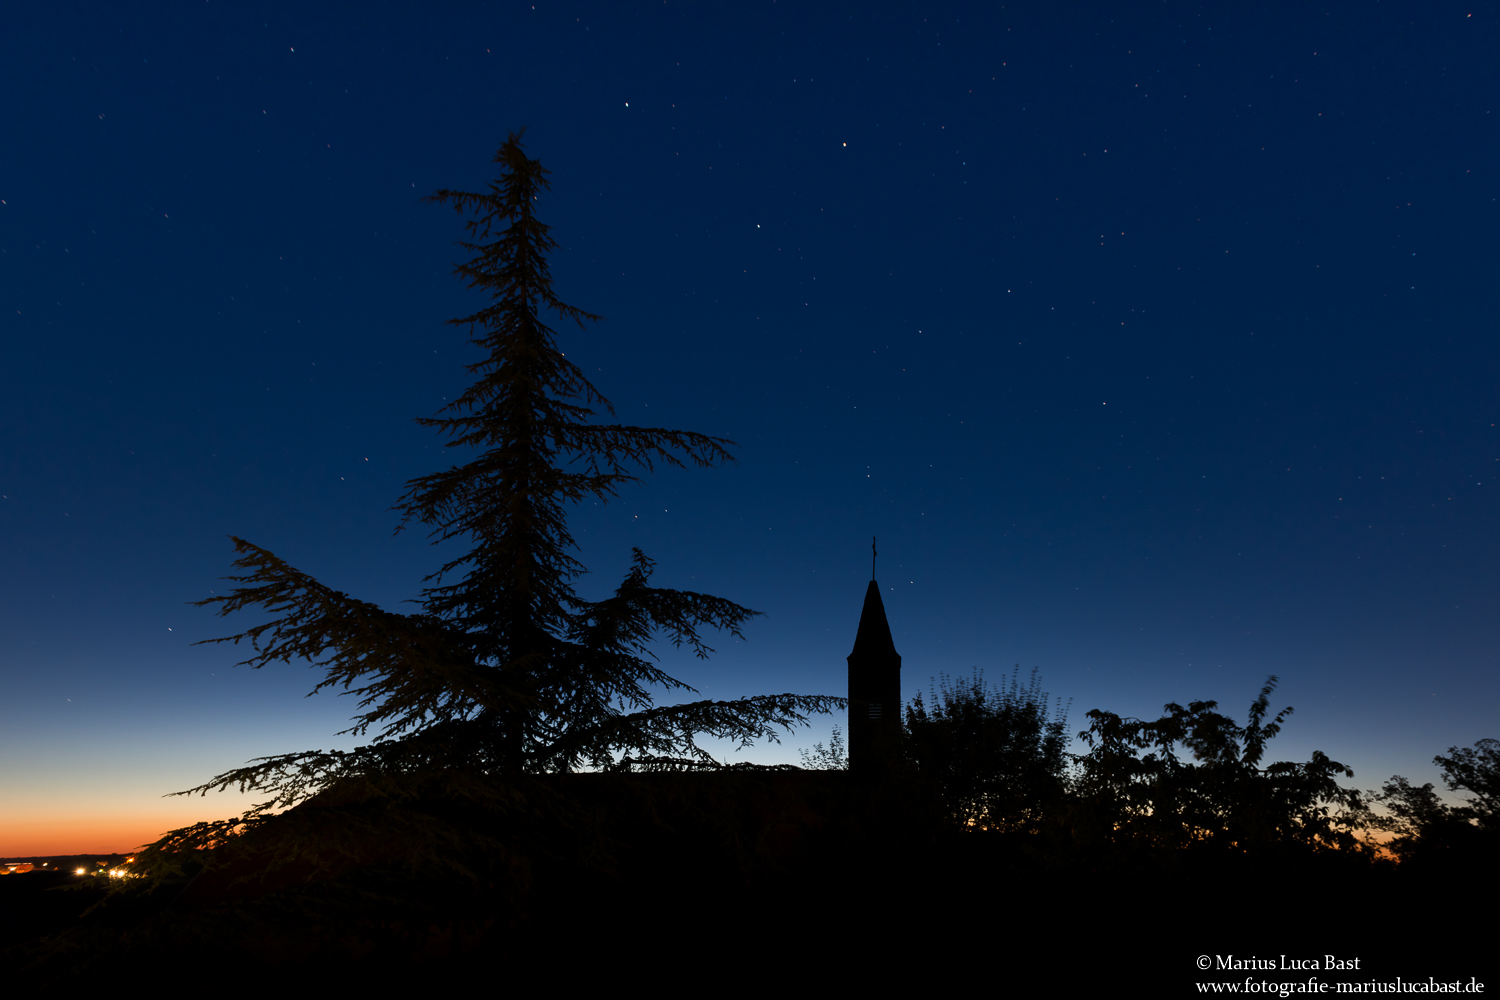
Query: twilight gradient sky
[(1156, 342)]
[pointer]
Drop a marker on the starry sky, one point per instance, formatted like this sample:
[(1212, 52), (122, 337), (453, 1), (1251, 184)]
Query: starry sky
[(1156, 342)]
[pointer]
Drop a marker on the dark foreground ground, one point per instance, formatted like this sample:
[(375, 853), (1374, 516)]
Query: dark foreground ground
[(766, 883)]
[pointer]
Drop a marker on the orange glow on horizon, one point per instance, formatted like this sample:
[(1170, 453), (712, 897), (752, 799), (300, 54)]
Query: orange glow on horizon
[(105, 833)]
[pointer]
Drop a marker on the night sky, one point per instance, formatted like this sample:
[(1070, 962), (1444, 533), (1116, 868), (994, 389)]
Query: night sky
[(1157, 344)]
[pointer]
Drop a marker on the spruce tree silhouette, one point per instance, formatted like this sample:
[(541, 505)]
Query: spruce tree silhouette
[(505, 671)]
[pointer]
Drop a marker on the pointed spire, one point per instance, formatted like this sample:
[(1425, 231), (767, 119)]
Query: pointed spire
[(874, 691), (874, 635)]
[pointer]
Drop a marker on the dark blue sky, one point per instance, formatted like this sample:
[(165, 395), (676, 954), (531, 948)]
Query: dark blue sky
[(1156, 342)]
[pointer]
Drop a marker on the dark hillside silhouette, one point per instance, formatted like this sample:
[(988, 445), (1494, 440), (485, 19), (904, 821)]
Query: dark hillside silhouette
[(1129, 859)]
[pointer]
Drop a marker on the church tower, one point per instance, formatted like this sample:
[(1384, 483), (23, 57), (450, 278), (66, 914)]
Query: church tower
[(874, 690)]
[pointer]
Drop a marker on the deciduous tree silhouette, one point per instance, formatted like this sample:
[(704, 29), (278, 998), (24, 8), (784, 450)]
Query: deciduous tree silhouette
[(1432, 833), (995, 755), (1475, 770), (1225, 797)]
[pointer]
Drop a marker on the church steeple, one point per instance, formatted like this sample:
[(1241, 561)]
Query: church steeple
[(874, 690), (874, 635)]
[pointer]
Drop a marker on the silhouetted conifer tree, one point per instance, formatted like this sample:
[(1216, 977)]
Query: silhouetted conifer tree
[(506, 670)]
